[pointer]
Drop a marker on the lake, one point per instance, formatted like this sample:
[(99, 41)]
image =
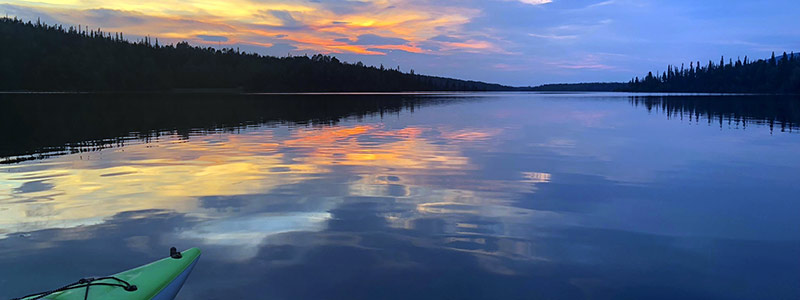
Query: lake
[(407, 196)]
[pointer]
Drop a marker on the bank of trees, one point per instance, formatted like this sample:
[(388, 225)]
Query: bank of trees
[(778, 74), (40, 57)]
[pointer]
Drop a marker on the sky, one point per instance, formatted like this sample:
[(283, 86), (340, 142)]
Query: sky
[(513, 42)]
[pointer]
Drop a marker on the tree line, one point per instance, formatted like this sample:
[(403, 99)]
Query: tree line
[(38, 57), (773, 75), (578, 87)]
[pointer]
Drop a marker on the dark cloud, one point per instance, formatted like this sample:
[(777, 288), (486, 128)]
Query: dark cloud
[(342, 6), (286, 18), (212, 38), (428, 45), (26, 13), (446, 38), (113, 17), (374, 39), (288, 22), (279, 49), (387, 51)]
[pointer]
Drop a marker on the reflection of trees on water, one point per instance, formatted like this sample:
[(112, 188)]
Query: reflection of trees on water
[(39, 126), (776, 112)]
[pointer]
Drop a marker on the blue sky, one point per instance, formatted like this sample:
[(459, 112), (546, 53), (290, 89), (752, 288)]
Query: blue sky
[(515, 42)]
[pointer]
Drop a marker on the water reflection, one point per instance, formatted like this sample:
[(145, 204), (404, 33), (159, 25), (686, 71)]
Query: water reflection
[(728, 111), (511, 196), (172, 173), (43, 125)]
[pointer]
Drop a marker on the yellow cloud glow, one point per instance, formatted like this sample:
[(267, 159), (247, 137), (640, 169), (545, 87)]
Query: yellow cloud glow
[(308, 26)]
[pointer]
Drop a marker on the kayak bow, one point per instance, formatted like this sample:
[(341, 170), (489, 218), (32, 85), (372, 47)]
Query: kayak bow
[(159, 280)]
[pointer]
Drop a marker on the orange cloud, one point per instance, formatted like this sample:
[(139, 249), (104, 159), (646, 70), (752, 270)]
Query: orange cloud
[(306, 26)]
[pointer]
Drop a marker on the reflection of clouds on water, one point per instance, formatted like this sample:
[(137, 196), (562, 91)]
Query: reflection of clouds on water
[(173, 173), (167, 177), (403, 149), (469, 135), (558, 143), (536, 177), (244, 234), (242, 187)]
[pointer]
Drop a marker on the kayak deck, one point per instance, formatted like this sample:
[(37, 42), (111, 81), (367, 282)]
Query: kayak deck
[(159, 280)]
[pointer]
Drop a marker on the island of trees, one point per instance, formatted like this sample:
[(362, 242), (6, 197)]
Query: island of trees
[(40, 57)]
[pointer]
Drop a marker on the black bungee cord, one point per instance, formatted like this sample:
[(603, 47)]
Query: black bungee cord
[(85, 282)]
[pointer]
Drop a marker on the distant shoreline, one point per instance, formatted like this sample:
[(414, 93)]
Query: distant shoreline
[(387, 93)]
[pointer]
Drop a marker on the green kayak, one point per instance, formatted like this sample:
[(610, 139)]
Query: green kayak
[(159, 280)]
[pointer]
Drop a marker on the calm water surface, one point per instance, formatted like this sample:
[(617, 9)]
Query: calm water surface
[(465, 196)]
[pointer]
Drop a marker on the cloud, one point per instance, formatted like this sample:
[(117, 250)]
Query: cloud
[(374, 39), (553, 36), (286, 18), (446, 38), (535, 2), (587, 66), (212, 38), (604, 3), (332, 26), (587, 62), (510, 67), (280, 49), (27, 13), (104, 16)]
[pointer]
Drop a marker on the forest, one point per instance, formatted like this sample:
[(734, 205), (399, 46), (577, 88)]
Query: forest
[(41, 57), (773, 75)]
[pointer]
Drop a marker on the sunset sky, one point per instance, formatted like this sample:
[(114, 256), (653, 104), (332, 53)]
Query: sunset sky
[(515, 42)]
